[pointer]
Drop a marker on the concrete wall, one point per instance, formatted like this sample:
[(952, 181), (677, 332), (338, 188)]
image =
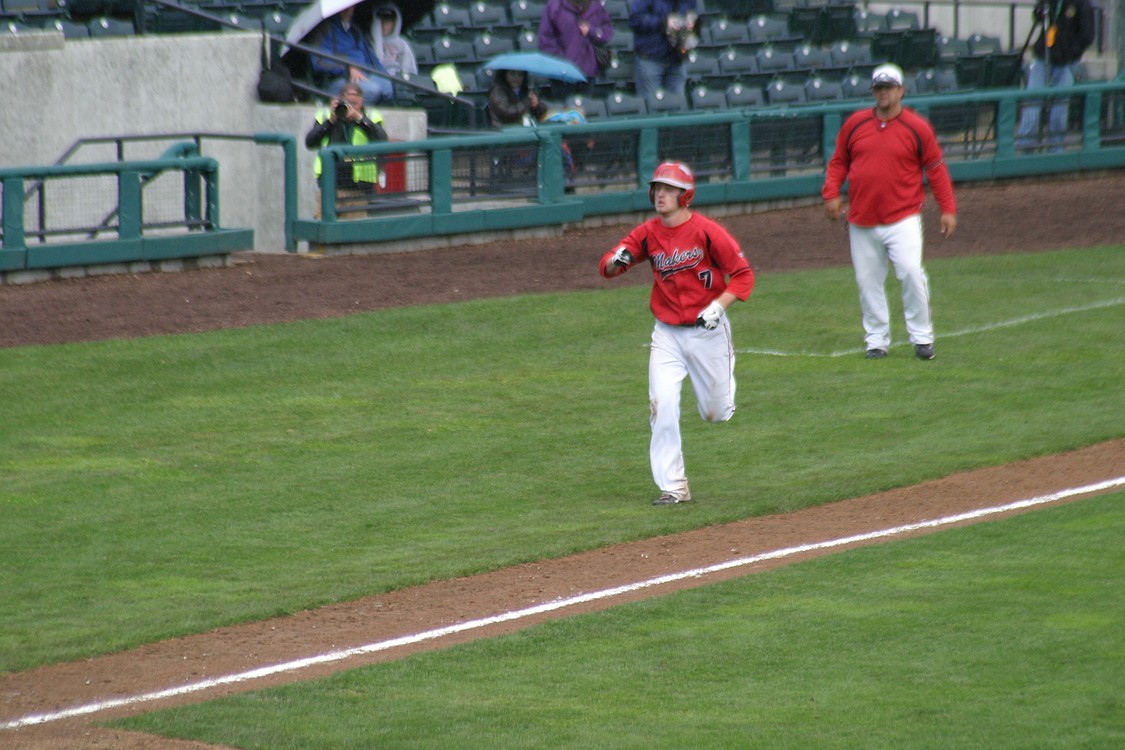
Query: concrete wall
[(54, 92)]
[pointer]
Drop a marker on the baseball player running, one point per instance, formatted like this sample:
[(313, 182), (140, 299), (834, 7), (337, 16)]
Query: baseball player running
[(698, 270), (883, 153)]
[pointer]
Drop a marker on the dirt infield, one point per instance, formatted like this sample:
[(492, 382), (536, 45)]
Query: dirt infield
[(271, 288), (260, 289)]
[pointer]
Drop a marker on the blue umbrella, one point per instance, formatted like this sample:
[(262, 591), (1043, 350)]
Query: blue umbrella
[(537, 64)]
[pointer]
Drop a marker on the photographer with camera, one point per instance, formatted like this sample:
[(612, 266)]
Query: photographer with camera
[(664, 31), (345, 120), (1066, 31)]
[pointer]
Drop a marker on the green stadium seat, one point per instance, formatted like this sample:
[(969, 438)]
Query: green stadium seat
[(902, 20), (807, 21), (484, 15), (723, 32), (839, 22), (706, 98), (819, 89), (623, 104), (950, 48), (592, 107), (983, 44), (526, 13), (780, 91), (1004, 70), (70, 29), (108, 26), (739, 94), (664, 102)]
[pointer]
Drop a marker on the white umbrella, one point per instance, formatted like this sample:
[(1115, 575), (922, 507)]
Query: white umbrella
[(309, 18)]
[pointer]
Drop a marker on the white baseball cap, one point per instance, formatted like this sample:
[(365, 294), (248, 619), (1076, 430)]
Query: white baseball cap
[(887, 74)]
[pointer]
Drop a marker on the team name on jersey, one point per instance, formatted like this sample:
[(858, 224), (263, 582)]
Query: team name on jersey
[(678, 260)]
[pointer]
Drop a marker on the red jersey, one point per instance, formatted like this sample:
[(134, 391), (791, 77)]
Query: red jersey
[(883, 162), (691, 264)]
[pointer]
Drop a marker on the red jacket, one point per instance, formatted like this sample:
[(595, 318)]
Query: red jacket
[(883, 163), (691, 264)]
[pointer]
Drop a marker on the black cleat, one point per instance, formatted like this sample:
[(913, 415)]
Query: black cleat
[(875, 354), (924, 351)]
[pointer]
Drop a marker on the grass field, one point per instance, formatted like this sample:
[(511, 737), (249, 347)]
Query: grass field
[(1000, 635), (170, 485)]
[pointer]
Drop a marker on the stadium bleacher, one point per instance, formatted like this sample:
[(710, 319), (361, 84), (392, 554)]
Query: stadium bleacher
[(819, 89), (704, 98), (816, 48)]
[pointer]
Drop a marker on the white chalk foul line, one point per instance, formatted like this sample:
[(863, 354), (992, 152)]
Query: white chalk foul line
[(519, 614), (952, 334)]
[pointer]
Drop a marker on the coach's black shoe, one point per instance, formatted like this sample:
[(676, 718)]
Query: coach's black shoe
[(671, 498), (924, 351), (875, 354)]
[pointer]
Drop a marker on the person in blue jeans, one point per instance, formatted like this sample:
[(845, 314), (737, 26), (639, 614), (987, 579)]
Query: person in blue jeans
[(346, 38), (663, 33), (1067, 32)]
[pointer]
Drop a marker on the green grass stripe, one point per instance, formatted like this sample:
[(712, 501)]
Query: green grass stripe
[(165, 486), (1002, 635)]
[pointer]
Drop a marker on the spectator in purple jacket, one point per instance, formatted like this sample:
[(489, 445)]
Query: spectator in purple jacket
[(569, 29)]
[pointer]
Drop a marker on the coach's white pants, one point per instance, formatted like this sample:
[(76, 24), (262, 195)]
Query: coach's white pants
[(707, 357), (901, 244)]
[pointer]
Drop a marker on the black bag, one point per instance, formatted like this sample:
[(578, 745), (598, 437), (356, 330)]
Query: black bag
[(275, 83), (602, 55)]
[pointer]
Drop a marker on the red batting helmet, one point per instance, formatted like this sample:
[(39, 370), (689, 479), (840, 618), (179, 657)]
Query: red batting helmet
[(676, 174)]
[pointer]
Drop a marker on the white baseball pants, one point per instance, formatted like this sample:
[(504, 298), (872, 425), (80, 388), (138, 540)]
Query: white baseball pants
[(901, 244), (707, 357)]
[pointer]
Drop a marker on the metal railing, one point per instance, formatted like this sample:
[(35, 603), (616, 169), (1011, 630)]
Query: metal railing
[(182, 144), (89, 214), (555, 174), (521, 177)]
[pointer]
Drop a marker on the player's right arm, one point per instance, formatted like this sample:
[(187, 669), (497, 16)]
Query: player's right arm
[(624, 255), (616, 262), (837, 172)]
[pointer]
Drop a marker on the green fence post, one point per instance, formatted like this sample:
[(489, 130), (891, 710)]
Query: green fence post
[(1091, 122), (129, 205), (550, 166), (289, 152), (441, 182), (13, 238), (832, 123), (740, 149), (647, 142), (193, 205), (210, 177), (1006, 110), (328, 185)]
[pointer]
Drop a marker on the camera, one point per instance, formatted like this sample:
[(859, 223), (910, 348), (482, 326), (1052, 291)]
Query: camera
[(341, 110), (680, 32)]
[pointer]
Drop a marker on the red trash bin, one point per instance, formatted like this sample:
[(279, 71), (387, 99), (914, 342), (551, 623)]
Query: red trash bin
[(392, 173)]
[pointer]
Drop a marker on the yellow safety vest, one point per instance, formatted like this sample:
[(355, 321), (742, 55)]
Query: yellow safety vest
[(362, 171)]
